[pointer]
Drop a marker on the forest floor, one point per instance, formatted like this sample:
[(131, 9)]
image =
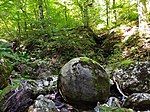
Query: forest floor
[(37, 58)]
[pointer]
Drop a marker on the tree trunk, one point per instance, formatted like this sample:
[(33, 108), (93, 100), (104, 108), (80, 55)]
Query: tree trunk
[(66, 17), (19, 27), (41, 15), (85, 14), (114, 11), (144, 11), (107, 12), (23, 9)]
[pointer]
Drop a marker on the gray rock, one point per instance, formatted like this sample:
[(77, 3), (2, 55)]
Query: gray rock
[(138, 101), (36, 69), (21, 98), (41, 86), (43, 104), (113, 102), (135, 79), (83, 82)]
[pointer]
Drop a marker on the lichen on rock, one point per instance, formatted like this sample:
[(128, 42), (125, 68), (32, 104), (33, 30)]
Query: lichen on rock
[(83, 82)]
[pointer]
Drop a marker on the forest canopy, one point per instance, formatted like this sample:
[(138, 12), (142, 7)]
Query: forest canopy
[(25, 18), (99, 29)]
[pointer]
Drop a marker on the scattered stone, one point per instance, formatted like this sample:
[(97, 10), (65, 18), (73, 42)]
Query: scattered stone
[(22, 97), (106, 108), (113, 102), (42, 86), (43, 104), (83, 82), (135, 79), (36, 69), (138, 101)]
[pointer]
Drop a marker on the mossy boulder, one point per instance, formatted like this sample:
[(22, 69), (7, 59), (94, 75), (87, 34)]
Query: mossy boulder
[(83, 82)]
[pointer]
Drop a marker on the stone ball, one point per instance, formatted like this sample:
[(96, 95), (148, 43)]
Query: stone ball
[(83, 82)]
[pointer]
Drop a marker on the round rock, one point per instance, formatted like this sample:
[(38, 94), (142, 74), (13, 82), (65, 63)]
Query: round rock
[(83, 82)]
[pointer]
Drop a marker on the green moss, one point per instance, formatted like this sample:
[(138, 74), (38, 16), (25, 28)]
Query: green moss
[(95, 66), (88, 60), (85, 59), (105, 108), (126, 63)]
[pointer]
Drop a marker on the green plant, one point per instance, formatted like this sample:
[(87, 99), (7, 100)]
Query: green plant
[(126, 63), (114, 109), (8, 59), (5, 63)]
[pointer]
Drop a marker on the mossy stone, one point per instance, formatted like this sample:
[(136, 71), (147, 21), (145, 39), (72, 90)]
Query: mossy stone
[(83, 82)]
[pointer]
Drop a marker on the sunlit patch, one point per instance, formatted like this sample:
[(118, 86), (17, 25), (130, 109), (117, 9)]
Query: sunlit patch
[(100, 26), (65, 1), (81, 37)]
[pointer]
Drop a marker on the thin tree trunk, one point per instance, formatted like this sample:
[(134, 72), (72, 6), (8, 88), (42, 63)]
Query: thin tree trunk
[(107, 12), (19, 27), (85, 15), (114, 11), (23, 9), (143, 11), (41, 14), (66, 17), (84, 12)]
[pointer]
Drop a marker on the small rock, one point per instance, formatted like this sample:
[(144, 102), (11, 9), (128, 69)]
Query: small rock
[(41, 86), (138, 101), (46, 83), (43, 104), (113, 102)]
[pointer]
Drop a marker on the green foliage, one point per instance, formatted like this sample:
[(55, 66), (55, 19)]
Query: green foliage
[(126, 63), (132, 41), (7, 54), (5, 66), (5, 70), (114, 109), (8, 59), (9, 88), (5, 51), (21, 18), (116, 60), (128, 12)]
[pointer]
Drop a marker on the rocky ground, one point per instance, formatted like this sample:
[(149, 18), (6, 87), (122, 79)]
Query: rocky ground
[(82, 85)]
